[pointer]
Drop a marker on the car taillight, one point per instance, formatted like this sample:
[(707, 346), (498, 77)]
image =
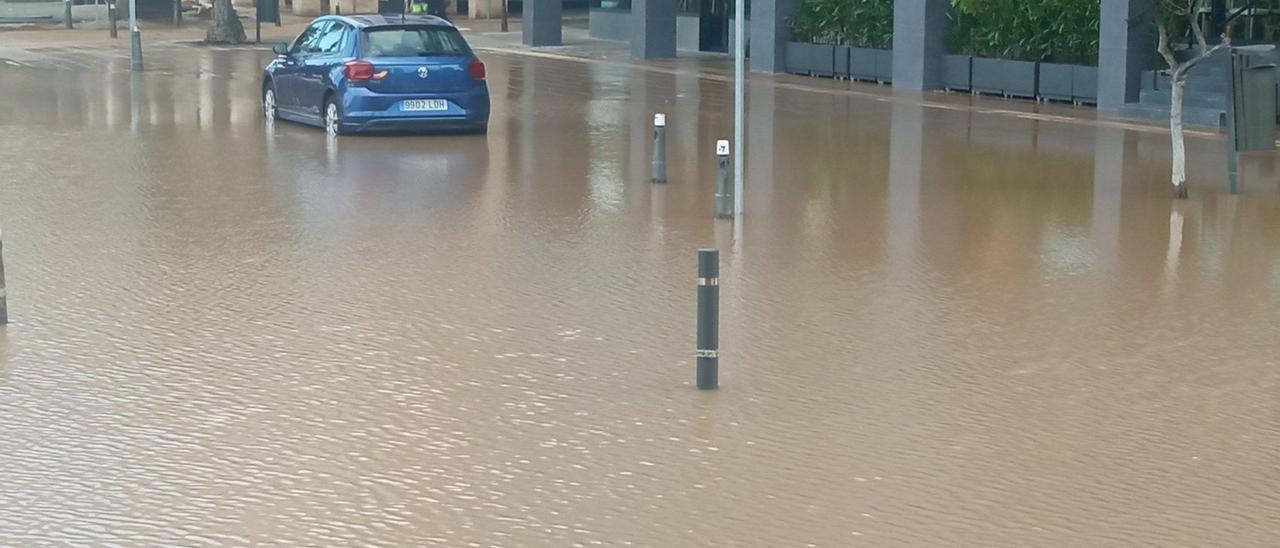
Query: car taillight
[(358, 71), (476, 69)]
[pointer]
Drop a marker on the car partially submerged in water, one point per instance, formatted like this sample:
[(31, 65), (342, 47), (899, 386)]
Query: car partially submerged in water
[(356, 73)]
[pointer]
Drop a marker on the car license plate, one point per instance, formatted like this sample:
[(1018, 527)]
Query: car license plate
[(429, 105)]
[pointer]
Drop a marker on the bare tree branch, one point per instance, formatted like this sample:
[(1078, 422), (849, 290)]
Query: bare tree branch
[(1165, 50), (1197, 28), (1226, 43)]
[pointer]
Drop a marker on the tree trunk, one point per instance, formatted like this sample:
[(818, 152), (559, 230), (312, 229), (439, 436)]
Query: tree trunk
[(227, 28), (1179, 176)]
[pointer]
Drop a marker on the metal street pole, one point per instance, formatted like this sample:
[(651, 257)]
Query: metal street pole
[(739, 99), (135, 38)]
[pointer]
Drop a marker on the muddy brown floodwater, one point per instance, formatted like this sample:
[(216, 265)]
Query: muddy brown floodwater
[(942, 326)]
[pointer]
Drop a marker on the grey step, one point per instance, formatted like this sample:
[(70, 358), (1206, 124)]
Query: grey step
[(1195, 116), (1192, 98), (1197, 80)]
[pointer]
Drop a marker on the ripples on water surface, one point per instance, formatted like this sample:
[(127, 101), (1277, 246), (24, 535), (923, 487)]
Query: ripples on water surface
[(940, 327)]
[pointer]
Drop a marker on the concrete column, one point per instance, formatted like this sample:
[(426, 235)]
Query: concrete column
[(769, 34), (919, 42), (653, 29), (483, 9), (1126, 47), (540, 23), (309, 8)]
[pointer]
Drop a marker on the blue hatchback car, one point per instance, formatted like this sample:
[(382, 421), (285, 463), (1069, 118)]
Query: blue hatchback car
[(378, 73)]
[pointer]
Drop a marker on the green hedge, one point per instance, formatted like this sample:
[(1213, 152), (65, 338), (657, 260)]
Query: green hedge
[(1060, 31), (862, 23)]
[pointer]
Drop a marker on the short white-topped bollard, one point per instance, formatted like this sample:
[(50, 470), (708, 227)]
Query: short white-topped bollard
[(659, 148)]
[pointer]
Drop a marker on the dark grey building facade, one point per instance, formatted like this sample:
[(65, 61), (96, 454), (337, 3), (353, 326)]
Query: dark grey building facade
[(663, 28)]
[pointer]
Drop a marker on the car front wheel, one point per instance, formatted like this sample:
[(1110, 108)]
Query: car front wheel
[(269, 104)]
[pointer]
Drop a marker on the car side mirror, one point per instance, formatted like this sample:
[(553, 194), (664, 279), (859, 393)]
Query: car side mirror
[(281, 48)]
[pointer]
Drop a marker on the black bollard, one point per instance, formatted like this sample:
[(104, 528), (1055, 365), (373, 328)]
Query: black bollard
[(724, 189), (111, 17), (4, 307), (659, 148), (67, 12), (708, 319)]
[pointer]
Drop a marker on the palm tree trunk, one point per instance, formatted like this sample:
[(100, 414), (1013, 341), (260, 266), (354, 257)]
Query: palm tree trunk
[(227, 28)]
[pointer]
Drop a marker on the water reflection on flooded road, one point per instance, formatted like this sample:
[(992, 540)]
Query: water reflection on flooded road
[(940, 326)]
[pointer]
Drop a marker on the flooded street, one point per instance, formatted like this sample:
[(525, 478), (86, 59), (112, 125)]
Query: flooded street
[(942, 325)]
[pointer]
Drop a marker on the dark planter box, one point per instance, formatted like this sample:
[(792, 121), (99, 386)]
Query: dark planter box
[(957, 72), (1075, 83), (987, 75), (793, 58), (863, 63), (1084, 84), (1005, 77), (1057, 81), (1021, 78), (811, 59), (841, 61), (884, 65), (822, 59)]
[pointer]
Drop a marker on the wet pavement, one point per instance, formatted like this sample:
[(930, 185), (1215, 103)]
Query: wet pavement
[(945, 322)]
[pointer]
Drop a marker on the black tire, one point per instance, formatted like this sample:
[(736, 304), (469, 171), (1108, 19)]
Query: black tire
[(331, 109), (270, 102)]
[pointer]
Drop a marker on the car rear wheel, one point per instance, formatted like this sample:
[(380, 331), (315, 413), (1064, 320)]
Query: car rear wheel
[(332, 117), (269, 104)]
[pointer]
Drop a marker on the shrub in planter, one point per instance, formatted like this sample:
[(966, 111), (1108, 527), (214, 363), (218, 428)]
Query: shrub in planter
[(850, 24), (1058, 31), (862, 23), (1008, 38)]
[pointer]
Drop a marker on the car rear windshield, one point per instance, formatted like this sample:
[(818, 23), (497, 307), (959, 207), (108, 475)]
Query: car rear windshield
[(414, 42)]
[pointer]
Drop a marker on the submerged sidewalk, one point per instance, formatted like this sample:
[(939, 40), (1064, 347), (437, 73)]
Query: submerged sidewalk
[(579, 47)]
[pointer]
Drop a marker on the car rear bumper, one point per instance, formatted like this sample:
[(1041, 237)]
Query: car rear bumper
[(364, 110), (395, 125)]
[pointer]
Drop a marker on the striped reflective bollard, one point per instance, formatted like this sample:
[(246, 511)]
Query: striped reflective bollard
[(708, 319)]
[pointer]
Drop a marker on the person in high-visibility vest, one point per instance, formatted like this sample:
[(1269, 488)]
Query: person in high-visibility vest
[(431, 7)]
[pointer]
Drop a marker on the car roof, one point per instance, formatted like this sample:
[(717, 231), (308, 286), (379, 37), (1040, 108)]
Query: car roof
[(373, 20)]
